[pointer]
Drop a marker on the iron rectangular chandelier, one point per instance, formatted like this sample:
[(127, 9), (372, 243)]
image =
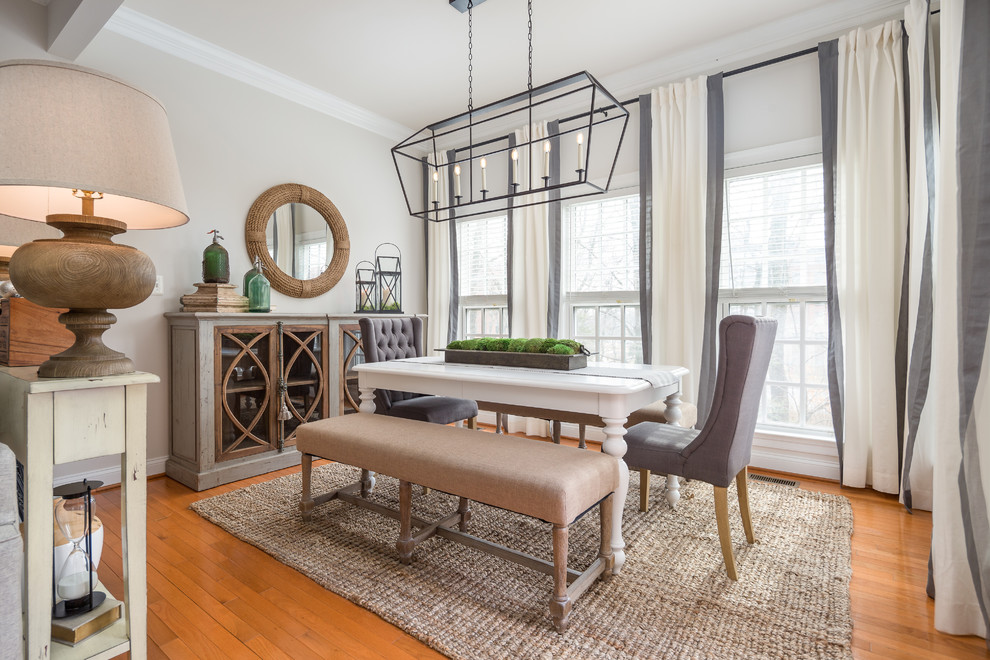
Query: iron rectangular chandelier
[(554, 142)]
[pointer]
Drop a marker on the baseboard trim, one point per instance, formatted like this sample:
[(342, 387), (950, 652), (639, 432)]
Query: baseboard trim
[(110, 476)]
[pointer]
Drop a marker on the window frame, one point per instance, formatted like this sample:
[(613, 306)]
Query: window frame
[(569, 300), (466, 304), (791, 155)]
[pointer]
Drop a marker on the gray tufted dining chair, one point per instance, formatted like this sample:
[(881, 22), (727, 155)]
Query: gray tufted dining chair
[(721, 450), (386, 339)]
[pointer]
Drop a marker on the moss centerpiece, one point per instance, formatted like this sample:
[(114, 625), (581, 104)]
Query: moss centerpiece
[(536, 353)]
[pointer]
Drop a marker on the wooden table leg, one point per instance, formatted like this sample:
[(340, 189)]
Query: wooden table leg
[(673, 415), (615, 445), (367, 406), (133, 506)]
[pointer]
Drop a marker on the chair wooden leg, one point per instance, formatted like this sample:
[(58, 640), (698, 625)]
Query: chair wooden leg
[(742, 487), (473, 423), (581, 443), (556, 432), (644, 490), (560, 603), (724, 535), (499, 423)]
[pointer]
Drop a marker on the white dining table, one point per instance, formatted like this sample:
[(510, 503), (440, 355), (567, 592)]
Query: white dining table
[(611, 391)]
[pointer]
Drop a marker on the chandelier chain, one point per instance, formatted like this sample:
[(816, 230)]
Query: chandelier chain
[(530, 26), (470, 55)]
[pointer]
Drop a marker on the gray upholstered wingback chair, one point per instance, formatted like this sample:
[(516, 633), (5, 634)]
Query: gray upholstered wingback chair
[(386, 339), (720, 451)]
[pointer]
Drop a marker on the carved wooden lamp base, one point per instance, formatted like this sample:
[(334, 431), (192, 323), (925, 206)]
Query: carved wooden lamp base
[(87, 273)]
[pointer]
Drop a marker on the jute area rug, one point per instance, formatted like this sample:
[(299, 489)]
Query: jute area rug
[(671, 600)]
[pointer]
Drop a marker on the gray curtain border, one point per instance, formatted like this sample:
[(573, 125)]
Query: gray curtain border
[(901, 337), (646, 225), (973, 154), (919, 371), (713, 244), (553, 234), (828, 66), (455, 285), (508, 239)]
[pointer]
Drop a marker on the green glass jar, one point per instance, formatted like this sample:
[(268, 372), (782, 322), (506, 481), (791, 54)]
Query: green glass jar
[(257, 288), (216, 264)]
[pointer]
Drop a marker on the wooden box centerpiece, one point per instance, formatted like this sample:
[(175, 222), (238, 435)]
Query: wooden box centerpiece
[(538, 353)]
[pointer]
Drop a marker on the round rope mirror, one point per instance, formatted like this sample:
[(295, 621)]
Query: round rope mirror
[(292, 243)]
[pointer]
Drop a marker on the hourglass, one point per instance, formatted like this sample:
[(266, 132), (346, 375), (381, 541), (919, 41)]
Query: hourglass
[(76, 578)]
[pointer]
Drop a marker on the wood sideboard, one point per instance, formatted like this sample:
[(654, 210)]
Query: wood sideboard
[(229, 380)]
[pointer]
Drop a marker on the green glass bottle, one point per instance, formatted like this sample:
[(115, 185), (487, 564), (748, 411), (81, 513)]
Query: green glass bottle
[(216, 265), (257, 288)]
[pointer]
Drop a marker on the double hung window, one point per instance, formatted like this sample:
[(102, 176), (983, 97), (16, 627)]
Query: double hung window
[(601, 277), (481, 261), (773, 264)]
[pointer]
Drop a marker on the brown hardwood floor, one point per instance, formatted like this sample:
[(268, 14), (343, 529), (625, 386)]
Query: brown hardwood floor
[(213, 596)]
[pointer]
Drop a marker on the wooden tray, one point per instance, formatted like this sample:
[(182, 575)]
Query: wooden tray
[(511, 359)]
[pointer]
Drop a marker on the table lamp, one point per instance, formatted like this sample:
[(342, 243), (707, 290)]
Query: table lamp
[(92, 156)]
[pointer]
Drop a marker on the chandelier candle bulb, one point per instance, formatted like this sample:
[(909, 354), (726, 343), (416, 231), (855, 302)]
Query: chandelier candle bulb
[(484, 175), (580, 143), (457, 180), (436, 186), (515, 167), (546, 159)]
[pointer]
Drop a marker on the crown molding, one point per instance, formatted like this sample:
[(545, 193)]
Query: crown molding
[(768, 40), (165, 38)]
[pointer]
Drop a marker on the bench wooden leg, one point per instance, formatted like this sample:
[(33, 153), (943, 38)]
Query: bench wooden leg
[(306, 503), (644, 490), (405, 544), (581, 443), (605, 550), (473, 423), (499, 423), (560, 604), (555, 432), (464, 508)]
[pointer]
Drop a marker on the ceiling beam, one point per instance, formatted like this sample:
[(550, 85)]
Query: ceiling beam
[(73, 24)]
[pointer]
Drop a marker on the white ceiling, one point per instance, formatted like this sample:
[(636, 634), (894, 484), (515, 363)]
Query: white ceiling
[(406, 60)]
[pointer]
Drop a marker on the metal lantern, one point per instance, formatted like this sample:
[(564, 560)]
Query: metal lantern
[(75, 580), (388, 277), (365, 299)]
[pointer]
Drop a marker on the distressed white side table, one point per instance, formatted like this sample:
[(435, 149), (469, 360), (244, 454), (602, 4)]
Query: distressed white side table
[(50, 421)]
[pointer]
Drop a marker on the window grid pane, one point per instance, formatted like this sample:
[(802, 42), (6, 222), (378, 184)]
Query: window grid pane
[(603, 245), (773, 246), (481, 256)]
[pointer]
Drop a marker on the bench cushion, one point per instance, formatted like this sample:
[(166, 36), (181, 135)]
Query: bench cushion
[(538, 479)]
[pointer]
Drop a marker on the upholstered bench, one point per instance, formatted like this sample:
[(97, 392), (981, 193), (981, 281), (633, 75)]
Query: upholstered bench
[(553, 483)]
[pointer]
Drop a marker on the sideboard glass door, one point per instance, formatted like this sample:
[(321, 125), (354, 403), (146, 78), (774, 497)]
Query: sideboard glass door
[(303, 354), (243, 391), (351, 354)]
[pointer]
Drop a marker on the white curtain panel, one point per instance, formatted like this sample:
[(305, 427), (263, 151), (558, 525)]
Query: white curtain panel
[(871, 226), (680, 186), (530, 260), (438, 267), (916, 25), (957, 609)]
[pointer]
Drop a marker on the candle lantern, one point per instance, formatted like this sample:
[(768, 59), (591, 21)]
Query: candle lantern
[(388, 275), (75, 580), (365, 299)]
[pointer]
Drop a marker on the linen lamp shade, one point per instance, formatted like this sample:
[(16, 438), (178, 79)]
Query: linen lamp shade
[(65, 127), (73, 139)]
